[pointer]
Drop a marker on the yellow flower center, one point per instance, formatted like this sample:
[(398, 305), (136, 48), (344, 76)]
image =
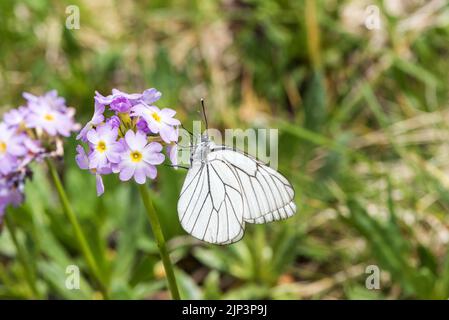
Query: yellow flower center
[(156, 117), (101, 146), (49, 117), (136, 156), (2, 147)]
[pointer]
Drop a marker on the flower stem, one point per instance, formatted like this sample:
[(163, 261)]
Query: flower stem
[(157, 231), (71, 216), (21, 254)]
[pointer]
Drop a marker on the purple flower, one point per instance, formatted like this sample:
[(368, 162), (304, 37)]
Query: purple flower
[(33, 146), (120, 104), (131, 155), (113, 121), (11, 190), (139, 158), (150, 96), (172, 151), (97, 119), (34, 151), (20, 146), (117, 95), (99, 184), (15, 117), (9, 195), (142, 125), (105, 149), (159, 121), (53, 122), (82, 160), (50, 99), (11, 147)]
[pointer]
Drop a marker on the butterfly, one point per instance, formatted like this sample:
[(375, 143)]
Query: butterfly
[(225, 188)]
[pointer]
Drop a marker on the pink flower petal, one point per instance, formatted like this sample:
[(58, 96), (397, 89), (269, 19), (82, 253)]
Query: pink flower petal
[(92, 136), (126, 173), (150, 171), (167, 133), (171, 121), (100, 185), (140, 176), (135, 141), (153, 147), (167, 113), (172, 150), (81, 158), (154, 158), (151, 95)]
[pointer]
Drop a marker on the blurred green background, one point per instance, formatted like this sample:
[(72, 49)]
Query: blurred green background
[(363, 125)]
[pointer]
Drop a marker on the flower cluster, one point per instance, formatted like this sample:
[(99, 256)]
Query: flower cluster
[(28, 133), (126, 135)]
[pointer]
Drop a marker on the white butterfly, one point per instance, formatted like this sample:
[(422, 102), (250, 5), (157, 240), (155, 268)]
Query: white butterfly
[(226, 188)]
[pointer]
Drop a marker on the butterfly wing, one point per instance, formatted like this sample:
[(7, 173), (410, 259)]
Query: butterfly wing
[(267, 195), (210, 206), (228, 189)]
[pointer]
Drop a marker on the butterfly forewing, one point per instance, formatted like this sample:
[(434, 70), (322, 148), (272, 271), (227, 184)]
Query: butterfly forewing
[(210, 207)]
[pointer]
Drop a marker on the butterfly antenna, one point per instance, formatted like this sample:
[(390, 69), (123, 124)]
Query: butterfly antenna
[(176, 166), (190, 132), (204, 113)]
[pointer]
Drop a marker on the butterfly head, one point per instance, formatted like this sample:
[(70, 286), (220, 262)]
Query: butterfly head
[(204, 138)]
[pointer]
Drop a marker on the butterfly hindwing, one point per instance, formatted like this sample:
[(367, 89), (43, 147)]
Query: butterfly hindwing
[(267, 195)]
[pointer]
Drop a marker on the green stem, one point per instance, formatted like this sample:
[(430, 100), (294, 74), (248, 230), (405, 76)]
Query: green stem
[(160, 240), (21, 254), (71, 216)]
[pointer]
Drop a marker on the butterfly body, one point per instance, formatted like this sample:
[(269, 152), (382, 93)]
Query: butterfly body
[(225, 188), (201, 150)]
